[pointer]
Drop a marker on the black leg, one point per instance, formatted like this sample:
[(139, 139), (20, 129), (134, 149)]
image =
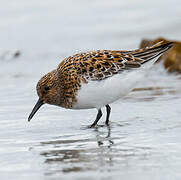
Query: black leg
[(99, 114), (108, 109)]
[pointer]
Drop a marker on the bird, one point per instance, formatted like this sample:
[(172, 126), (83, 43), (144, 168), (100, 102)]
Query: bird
[(96, 79)]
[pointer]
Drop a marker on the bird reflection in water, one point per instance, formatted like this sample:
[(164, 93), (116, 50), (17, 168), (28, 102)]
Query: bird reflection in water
[(100, 139), (78, 155)]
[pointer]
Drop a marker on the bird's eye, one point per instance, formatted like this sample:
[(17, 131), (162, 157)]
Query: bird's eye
[(47, 88)]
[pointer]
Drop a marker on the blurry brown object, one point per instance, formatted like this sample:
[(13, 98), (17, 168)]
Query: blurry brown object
[(172, 58)]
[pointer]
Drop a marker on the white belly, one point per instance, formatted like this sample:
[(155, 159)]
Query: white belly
[(96, 94)]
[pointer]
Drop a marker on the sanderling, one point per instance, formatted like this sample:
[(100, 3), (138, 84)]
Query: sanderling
[(95, 79)]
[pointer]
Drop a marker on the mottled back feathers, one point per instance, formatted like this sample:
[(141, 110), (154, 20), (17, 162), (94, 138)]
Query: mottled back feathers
[(101, 64)]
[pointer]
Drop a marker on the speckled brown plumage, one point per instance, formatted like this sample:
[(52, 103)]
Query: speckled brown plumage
[(60, 87), (99, 65)]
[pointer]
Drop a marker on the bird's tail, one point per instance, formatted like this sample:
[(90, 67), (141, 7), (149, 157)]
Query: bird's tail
[(150, 53)]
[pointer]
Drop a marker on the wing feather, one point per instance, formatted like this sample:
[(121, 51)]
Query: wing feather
[(101, 64)]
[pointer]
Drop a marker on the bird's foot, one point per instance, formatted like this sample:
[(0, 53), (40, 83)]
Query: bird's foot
[(107, 123), (98, 125), (92, 126)]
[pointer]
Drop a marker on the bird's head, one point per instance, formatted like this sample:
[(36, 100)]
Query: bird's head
[(49, 91)]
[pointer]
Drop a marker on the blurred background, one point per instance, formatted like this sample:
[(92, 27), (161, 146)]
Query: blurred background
[(53, 30), (35, 36)]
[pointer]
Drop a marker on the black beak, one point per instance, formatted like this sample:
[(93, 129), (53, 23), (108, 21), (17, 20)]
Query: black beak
[(35, 109)]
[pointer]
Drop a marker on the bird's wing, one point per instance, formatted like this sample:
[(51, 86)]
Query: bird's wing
[(149, 53), (101, 64)]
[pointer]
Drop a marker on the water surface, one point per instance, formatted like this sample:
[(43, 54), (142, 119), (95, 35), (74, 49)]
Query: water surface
[(143, 141)]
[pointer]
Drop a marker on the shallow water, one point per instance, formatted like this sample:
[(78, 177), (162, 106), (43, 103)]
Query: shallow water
[(143, 139)]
